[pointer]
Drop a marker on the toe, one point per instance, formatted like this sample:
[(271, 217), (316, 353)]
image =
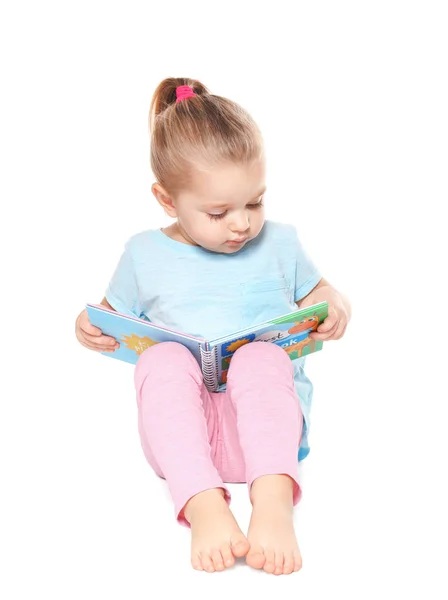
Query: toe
[(279, 561), (227, 555), (297, 561), (207, 563), (196, 562), (256, 557), (269, 565), (288, 565), (240, 546), (218, 563)]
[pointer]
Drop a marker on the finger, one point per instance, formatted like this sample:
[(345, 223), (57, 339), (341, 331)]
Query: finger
[(94, 343), (90, 329), (336, 335), (97, 348), (321, 336), (340, 332), (103, 340), (329, 321), (327, 325)]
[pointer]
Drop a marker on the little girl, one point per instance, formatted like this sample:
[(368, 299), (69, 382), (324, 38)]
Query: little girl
[(219, 267)]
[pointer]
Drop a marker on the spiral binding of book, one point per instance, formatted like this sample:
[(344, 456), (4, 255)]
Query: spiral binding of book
[(209, 359)]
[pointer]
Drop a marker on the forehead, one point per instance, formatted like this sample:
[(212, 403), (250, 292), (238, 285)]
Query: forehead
[(229, 181)]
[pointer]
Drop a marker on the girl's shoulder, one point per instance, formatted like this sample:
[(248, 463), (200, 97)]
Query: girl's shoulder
[(144, 247), (142, 241), (142, 237)]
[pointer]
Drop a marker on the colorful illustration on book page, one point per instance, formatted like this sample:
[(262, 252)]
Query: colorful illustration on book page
[(138, 344), (228, 350), (293, 337)]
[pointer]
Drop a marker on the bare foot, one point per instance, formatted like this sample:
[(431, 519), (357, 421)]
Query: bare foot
[(273, 543), (216, 538)]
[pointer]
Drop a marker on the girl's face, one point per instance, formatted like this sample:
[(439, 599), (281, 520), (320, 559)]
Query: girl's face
[(224, 209)]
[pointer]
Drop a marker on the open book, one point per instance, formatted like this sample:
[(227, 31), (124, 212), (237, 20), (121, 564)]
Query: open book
[(134, 335)]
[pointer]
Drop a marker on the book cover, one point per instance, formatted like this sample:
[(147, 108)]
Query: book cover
[(136, 335)]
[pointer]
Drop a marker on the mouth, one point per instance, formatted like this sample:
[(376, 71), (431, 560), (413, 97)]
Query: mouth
[(237, 242)]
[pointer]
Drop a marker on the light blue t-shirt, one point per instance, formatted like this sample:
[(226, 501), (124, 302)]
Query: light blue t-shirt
[(207, 294)]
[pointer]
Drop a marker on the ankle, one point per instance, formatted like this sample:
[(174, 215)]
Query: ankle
[(207, 499), (272, 488)]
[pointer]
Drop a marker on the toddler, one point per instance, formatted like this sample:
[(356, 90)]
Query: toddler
[(219, 267)]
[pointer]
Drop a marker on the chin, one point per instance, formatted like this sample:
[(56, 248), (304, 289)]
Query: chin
[(231, 250), (222, 249)]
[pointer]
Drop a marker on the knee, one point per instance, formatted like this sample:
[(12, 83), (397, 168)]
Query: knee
[(259, 355), (259, 350), (162, 357), (164, 351)]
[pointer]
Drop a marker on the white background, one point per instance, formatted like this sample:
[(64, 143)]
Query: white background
[(352, 101)]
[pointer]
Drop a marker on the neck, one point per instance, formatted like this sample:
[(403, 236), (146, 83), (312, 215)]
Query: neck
[(175, 232)]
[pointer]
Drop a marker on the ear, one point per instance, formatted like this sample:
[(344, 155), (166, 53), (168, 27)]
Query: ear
[(164, 199)]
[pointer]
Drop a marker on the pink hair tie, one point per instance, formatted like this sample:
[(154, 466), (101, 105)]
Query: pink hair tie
[(183, 92)]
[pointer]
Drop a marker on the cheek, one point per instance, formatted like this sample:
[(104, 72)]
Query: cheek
[(202, 227), (193, 221), (203, 224), (258, 219)]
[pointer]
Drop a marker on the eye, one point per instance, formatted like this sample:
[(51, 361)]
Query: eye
[(259, 204), (217, 217), (312, 319)]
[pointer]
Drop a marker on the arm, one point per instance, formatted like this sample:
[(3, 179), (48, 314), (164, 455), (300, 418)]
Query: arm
[(339, 311), (105, 303)]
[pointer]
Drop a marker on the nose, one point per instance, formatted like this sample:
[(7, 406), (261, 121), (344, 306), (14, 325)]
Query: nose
[(240, 222)]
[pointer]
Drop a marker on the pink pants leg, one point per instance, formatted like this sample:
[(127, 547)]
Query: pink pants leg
[(198, 440)]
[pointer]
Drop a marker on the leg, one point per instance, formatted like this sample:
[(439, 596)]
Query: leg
[(269, 423), (178, 429)]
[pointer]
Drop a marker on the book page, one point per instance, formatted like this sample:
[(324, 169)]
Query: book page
[(290, 332)]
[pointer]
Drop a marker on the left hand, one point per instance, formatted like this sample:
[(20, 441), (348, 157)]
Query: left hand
[(334, 326)]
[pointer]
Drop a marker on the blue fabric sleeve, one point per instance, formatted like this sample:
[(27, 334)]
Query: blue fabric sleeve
[(307, 274), (122, 292)]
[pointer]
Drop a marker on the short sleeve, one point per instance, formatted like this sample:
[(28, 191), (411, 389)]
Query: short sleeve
[(307, 274), (122, 292)]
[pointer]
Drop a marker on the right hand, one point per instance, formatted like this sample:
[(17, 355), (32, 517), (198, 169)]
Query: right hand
[(92, 337)]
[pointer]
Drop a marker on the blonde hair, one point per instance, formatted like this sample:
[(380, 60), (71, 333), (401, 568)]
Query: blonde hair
[(197, 132)]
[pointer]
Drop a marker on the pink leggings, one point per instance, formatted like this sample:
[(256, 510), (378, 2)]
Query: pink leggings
[(196, 440)]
